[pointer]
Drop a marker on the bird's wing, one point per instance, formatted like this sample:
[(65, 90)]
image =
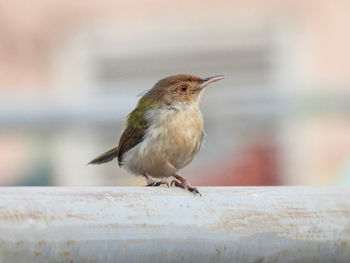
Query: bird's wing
[(136, 126), (131, 136)]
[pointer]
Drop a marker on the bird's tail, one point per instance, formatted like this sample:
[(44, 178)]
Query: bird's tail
[(105, 157)]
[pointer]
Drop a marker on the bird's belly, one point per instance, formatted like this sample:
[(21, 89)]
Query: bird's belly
[(170, 143)]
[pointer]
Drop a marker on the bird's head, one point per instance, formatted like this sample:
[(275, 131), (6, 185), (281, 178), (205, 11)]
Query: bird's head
[(179, 90)]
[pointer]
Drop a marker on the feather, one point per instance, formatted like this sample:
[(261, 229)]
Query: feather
[(105, 157), (136, 126)]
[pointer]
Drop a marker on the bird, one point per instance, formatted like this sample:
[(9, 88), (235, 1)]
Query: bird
[(164, 132)]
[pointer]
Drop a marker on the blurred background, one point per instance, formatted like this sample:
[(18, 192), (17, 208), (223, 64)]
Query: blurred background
[(70, 72)]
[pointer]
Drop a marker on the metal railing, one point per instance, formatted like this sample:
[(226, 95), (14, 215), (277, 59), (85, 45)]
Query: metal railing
[(139, 224)]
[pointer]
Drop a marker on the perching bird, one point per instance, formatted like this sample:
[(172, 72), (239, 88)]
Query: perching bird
[(164, 132)]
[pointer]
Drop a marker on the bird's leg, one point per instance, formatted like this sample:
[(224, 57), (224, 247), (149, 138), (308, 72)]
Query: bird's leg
[(184, 184), (151, 182)]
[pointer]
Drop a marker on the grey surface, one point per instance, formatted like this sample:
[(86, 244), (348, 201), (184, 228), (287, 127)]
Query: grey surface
[(139, 224)]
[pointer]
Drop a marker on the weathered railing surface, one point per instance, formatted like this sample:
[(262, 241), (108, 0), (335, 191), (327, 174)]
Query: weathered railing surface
[(139, 224)]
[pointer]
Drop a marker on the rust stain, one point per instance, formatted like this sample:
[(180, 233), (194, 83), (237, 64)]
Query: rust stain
[(70, 242), (97, 196), (20, 243), (284, 222), (344, 244), (66, 253), (347, 228), (37, 254), (77, 216), (18, 217)]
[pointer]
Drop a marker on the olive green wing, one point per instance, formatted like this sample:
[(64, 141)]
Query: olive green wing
[(136, 127), (131, 136)]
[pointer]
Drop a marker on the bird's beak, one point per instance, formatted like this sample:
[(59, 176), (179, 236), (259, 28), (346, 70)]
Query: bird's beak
[(207, 81)]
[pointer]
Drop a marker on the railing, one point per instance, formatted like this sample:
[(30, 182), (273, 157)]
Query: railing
[(139, 224)]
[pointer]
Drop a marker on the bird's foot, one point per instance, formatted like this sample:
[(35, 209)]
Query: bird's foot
[(182, 183), (151, 182), (157, 183)]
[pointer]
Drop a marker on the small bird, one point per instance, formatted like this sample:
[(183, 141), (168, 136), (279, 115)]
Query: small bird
[(164, 132)]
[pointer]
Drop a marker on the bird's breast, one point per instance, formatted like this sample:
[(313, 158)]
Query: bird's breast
[(172, 139), (176, 133)]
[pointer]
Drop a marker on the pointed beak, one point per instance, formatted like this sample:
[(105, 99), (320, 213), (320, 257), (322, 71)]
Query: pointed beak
[(207, 81)]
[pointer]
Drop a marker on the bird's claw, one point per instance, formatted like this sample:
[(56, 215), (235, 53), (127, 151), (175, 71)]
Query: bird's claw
[(193, 190), (185, 186), (157, 183)]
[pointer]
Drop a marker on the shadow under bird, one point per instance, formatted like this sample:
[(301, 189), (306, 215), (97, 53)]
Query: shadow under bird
[(164, 132)]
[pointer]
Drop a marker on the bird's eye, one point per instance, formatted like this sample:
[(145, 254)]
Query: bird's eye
[(183, 88)]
